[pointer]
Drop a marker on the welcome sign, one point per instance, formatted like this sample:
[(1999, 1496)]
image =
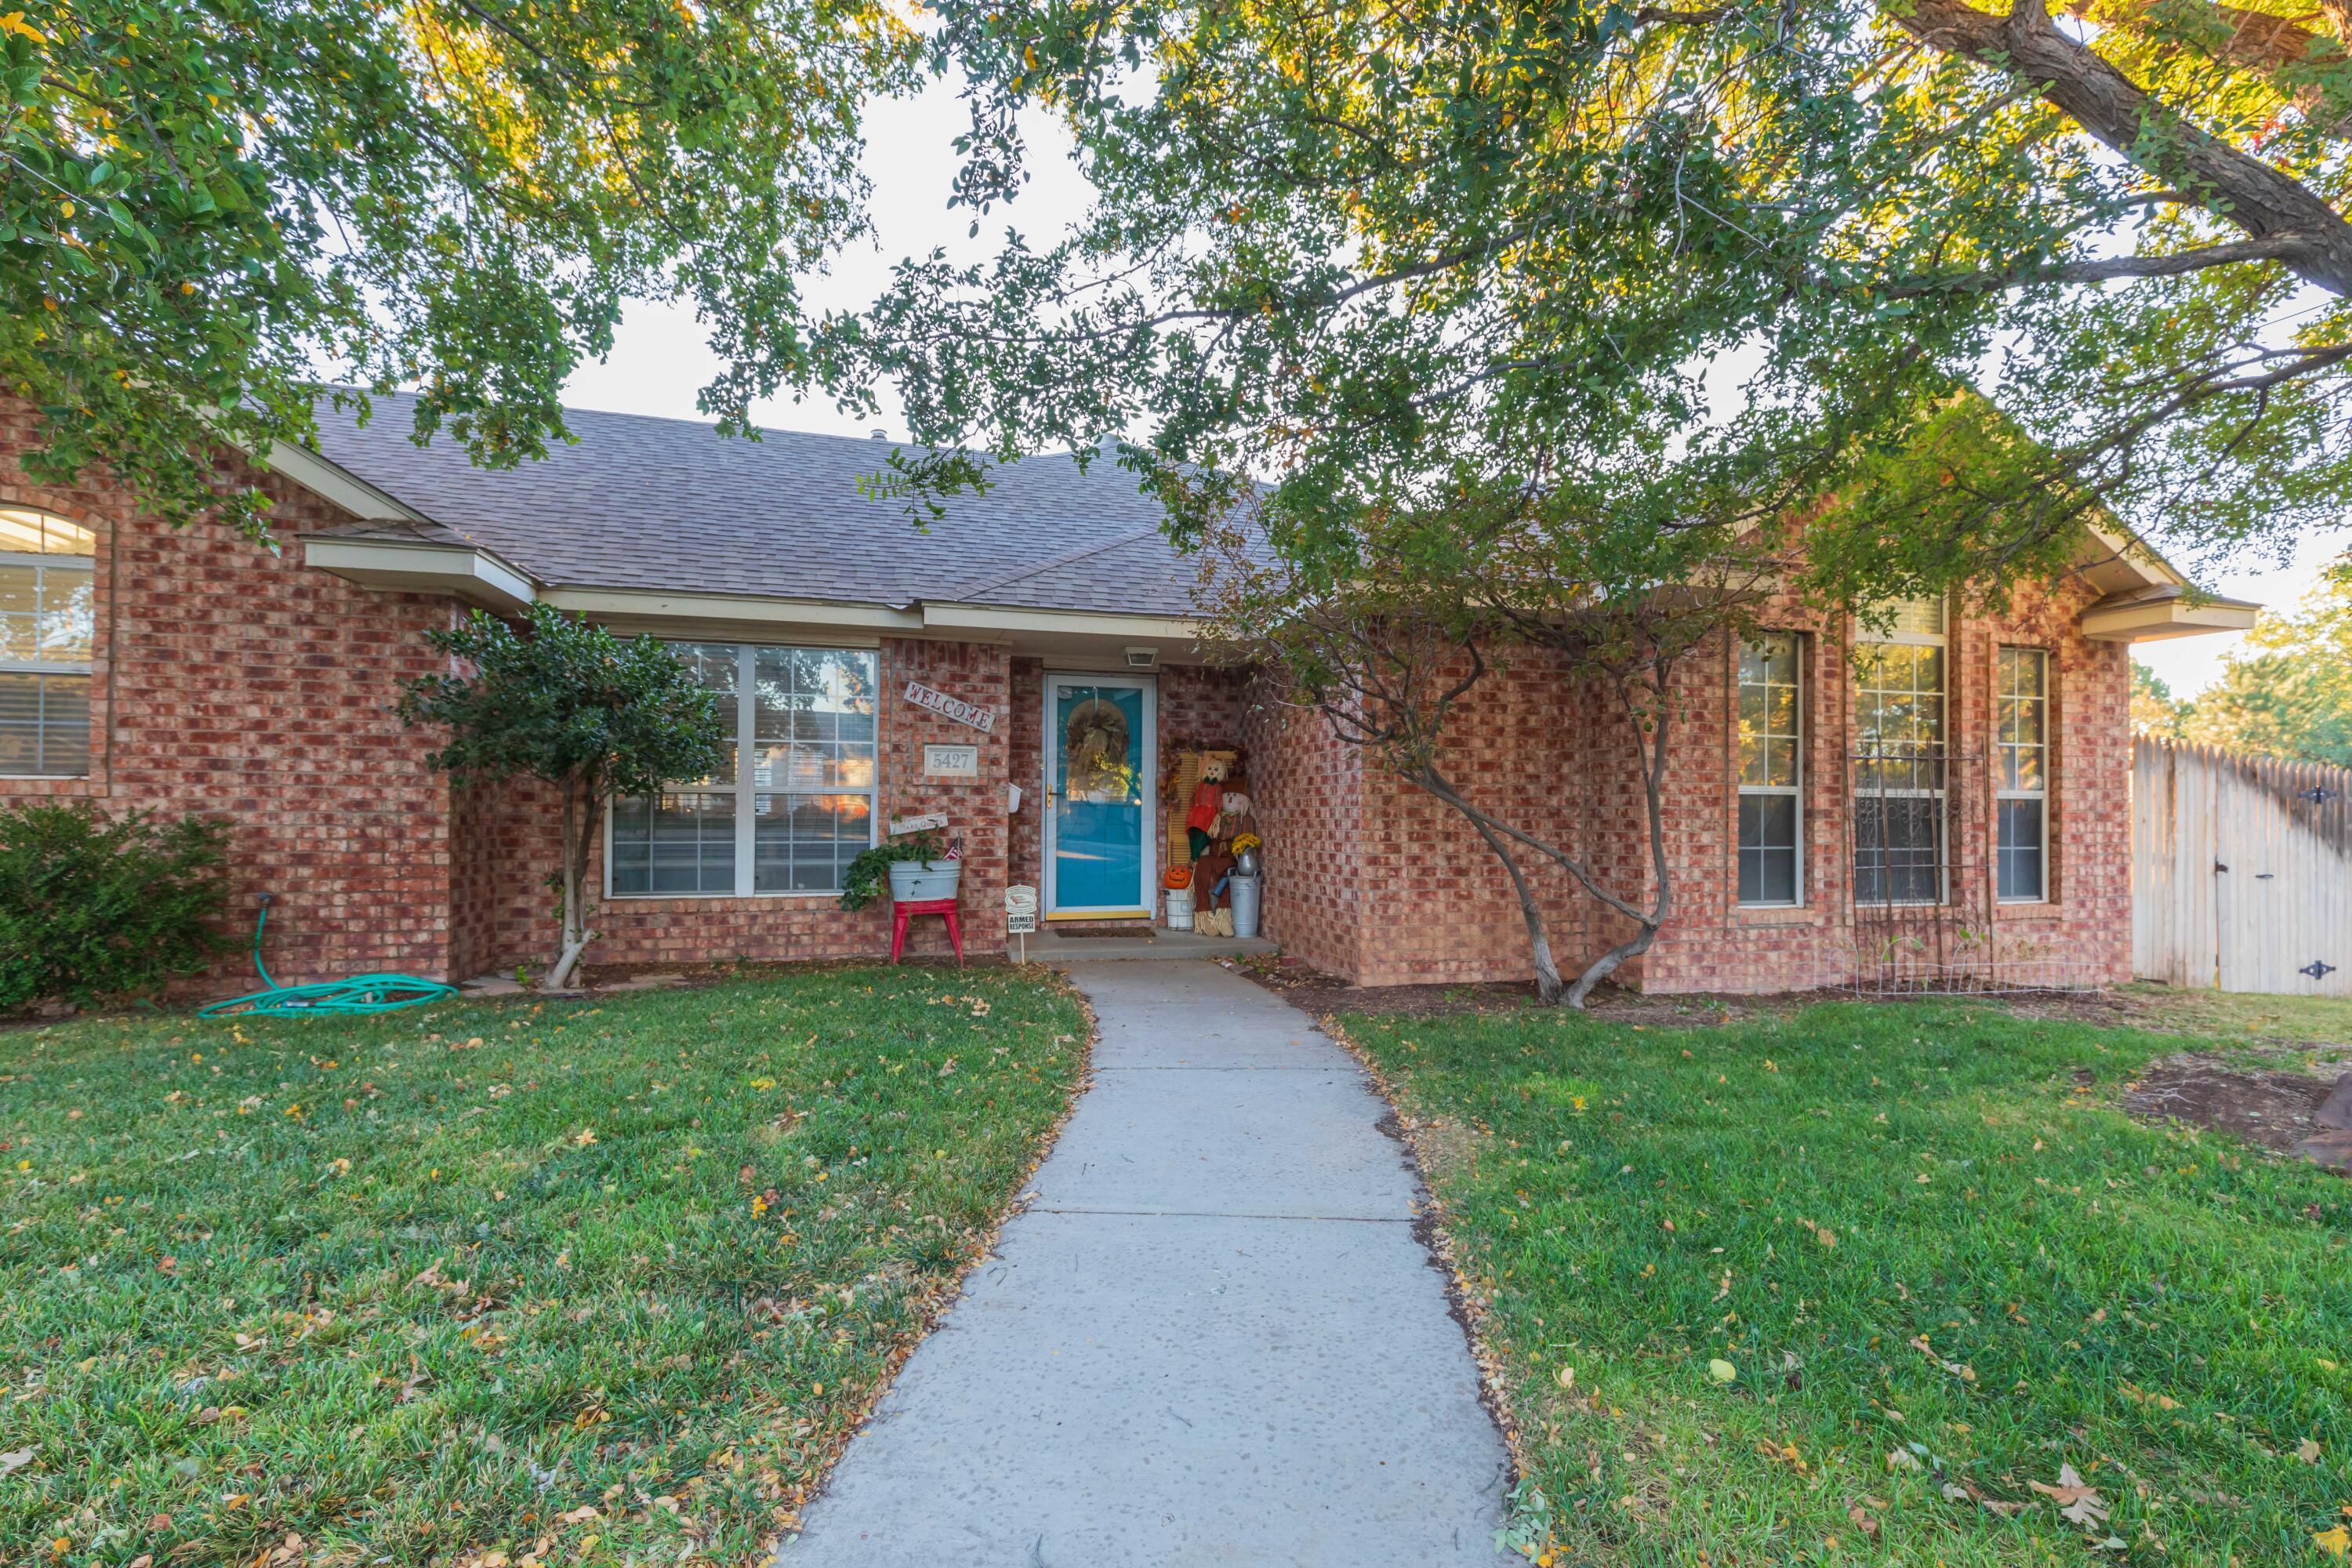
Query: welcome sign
[(981, 719)]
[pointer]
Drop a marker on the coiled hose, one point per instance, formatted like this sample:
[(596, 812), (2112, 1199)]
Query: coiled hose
[(360, 994)]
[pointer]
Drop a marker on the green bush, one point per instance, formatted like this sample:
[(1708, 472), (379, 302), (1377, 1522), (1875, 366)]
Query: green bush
[(94, 905)]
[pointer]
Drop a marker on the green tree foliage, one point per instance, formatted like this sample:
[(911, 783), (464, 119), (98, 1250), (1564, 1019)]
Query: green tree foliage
[(208, 205), (565, 701), (93, 906), (2288, 691), (2154, 709), (1665, 259)]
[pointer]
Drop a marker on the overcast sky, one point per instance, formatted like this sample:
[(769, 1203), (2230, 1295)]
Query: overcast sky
[(661, 357)]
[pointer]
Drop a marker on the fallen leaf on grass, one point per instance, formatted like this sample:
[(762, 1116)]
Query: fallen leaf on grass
[(1722, 1370), (1966, 1491), (15, 1460), (2075, 1500), (1964, 1373), (1863, 1523), (2307, 1451), (2336, 1542)]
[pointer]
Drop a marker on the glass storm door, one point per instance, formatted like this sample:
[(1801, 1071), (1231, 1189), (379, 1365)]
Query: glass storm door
[(1098, 794)]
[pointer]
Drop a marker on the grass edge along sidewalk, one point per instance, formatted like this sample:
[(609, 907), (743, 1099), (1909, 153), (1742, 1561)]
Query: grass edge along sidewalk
[(1894, 1283), (531, 1282)]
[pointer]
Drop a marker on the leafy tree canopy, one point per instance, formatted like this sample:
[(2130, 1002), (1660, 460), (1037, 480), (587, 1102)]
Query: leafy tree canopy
[(210, 204), (2287, 693), (1677, 265)]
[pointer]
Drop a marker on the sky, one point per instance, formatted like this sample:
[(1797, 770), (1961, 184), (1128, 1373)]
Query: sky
[(661, 356)]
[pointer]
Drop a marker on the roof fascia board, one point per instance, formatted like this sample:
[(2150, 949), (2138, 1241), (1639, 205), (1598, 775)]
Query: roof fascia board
[(330, 480), (1074, 623), (2155, 620), (473, 574), (655, 604)]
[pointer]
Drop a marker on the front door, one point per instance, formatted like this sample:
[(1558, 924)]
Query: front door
[(1099, 795)]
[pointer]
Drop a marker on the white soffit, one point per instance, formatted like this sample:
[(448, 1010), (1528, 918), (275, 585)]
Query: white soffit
[(2155, 617), (421, 567)]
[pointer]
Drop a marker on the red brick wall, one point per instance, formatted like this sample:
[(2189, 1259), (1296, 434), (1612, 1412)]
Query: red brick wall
[(1308, 790), (516, 833), (1374, 882), (234, 683)]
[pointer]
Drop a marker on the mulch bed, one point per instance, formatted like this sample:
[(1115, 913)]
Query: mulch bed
[(2293, 1112)]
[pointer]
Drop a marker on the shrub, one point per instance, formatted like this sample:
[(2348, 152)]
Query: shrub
[(94, 905)]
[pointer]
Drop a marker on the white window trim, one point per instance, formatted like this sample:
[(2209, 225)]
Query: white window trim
[(1941, 796), (53, 561), (741, 788), (1795, 791), (2042, 795)]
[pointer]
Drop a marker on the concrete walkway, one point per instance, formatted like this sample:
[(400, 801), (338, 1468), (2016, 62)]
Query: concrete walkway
[(1211, 1338)]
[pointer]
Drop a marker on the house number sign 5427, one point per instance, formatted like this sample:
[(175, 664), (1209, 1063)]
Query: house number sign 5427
[(981, 719)]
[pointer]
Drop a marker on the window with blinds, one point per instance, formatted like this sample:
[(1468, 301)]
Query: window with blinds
[(48, 634)]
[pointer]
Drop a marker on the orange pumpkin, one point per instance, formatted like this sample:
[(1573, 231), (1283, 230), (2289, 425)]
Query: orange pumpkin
[(1179, 876)]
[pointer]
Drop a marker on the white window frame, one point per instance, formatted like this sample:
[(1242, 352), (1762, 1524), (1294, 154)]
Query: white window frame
[(741, 788), (1919, 623), (45, 562), (1795, 791), (2000, 773)]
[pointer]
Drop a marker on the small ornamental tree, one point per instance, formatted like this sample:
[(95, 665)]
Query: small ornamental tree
[(557, 698)]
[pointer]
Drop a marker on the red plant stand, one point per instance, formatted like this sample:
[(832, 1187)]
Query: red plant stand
[(943, 907)]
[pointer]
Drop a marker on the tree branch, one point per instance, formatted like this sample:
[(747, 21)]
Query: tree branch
[(2242, 189)]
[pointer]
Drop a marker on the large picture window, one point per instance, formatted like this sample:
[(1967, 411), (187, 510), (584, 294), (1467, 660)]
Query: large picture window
[(794, 803), (2021, 793), (48, 631), (1772, 771), (1899, 760)]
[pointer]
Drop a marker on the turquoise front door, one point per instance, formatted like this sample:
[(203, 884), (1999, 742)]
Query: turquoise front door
[(1099, 793)]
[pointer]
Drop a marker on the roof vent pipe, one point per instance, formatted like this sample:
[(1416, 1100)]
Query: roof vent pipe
[(880, 435)]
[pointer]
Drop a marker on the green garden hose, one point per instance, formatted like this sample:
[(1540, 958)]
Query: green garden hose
[(360, 993)]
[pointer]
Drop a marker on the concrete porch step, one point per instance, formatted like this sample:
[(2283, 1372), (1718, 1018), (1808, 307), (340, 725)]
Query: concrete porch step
[(1049, 946)]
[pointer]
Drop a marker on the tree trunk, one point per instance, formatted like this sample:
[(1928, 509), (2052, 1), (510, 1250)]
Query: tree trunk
[(579, 819), (1550, 988), (1652, 750)]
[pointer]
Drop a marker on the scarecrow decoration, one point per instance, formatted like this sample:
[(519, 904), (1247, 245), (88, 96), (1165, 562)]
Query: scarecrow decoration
[(1211, 829)]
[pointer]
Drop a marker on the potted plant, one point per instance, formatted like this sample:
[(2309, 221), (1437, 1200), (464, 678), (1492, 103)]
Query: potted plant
[(917, 867)]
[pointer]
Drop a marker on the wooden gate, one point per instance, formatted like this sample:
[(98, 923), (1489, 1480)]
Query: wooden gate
[(2242, 870)]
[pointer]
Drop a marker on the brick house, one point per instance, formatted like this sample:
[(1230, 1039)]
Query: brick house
[(880, 670)]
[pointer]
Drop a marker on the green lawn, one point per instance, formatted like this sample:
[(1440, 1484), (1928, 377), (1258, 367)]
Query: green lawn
[(1939, 1263), (579, 1282)]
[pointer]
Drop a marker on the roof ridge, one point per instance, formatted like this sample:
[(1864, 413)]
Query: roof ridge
[(1007, 579), (709, 426)]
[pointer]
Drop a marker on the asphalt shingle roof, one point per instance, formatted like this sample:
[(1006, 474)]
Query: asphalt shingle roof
[(671, 504)]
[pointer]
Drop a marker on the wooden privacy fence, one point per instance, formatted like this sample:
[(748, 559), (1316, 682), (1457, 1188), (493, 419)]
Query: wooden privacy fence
[(2242, 870)]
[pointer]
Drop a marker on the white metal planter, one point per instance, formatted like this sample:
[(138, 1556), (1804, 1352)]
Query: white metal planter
[(916, 881)]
